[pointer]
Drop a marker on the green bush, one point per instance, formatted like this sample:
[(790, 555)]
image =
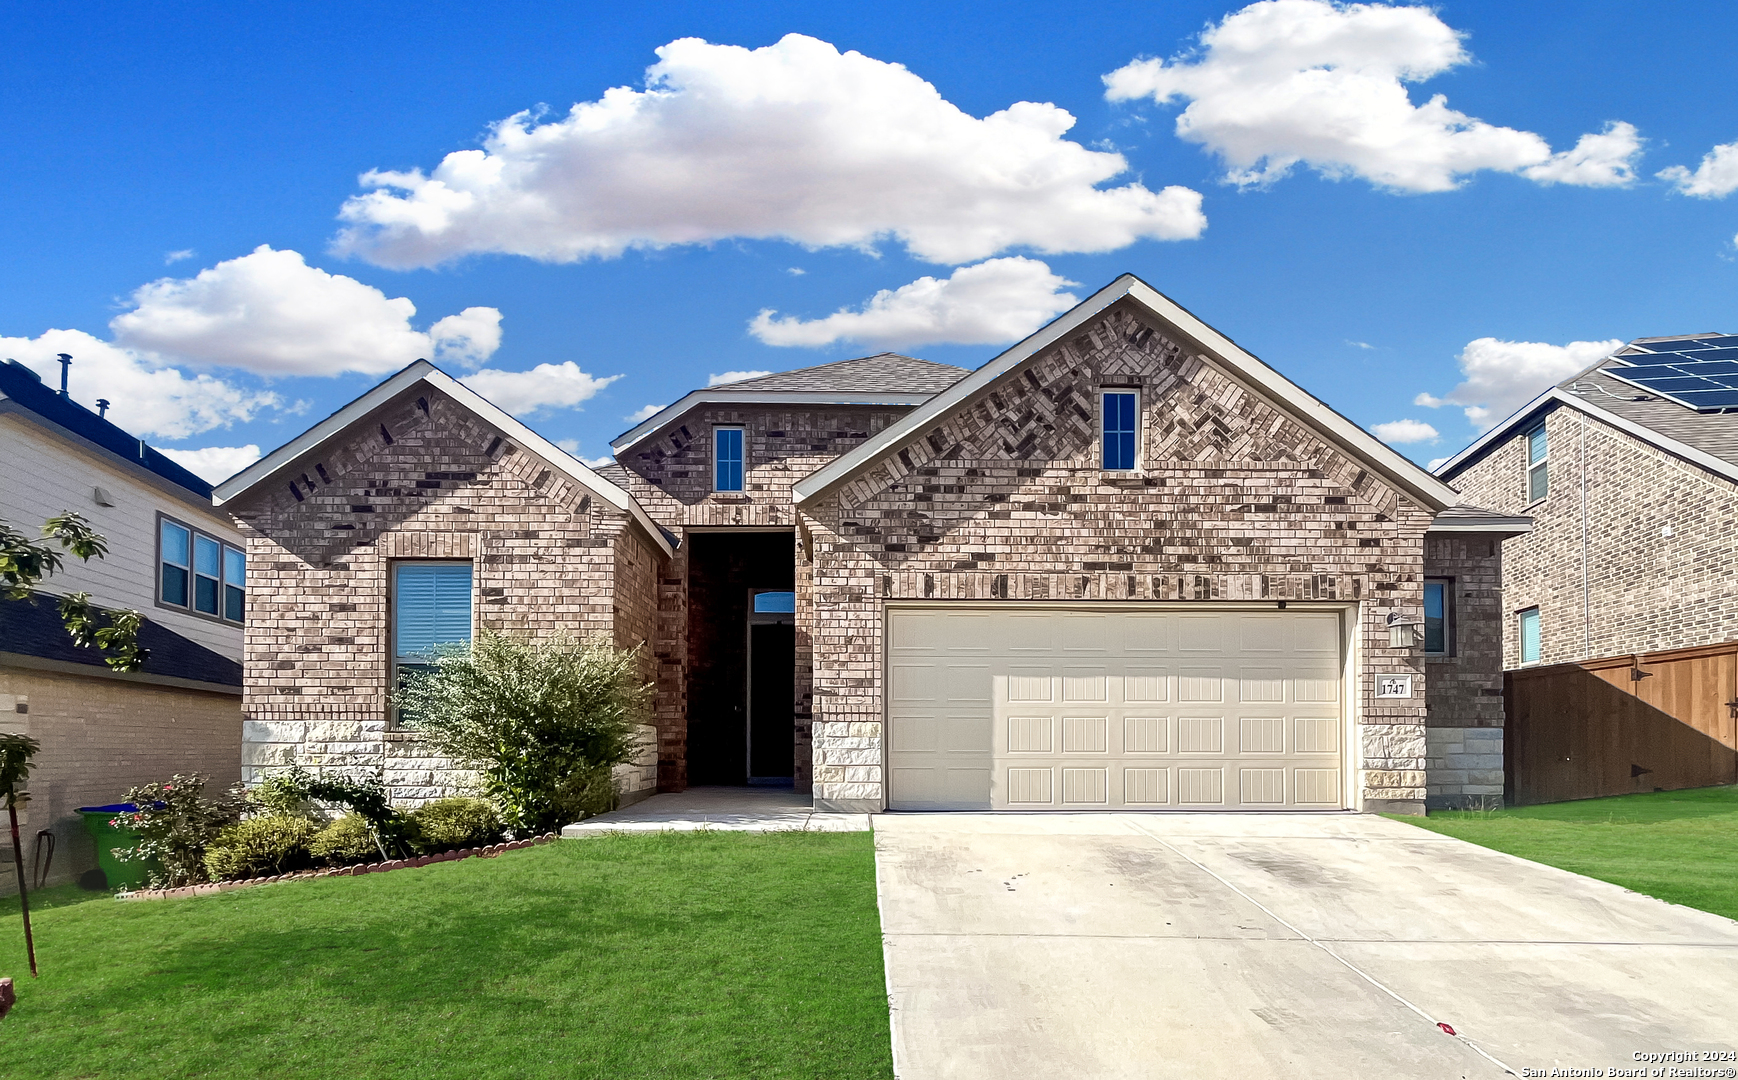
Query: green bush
[(445, 824), (345, 842), (175, 826), (260, 847), (587, 792), (537, 719)]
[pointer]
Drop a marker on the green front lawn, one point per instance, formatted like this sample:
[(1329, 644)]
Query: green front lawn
[(1680, 846), (697, 955)]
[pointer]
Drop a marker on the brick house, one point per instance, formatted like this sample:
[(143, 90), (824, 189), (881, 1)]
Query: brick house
[(1630, 470), (173, 557), (1124, 564)]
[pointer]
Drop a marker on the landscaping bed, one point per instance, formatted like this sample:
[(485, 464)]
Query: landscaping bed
[(693, 955), (1680, 846)]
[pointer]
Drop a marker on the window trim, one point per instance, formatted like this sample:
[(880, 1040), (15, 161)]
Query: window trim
[(1449, 627), (393, 660), (1542, 464), (194, 532), (741, 461), (1105, 392), (1521, 635)]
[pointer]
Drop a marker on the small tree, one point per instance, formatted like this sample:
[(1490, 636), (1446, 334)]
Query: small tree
[(16, 752), (542, 721), (25, 562)]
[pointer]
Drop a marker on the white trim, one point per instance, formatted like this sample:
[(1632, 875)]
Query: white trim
[(1282, 392), (1718, 466), (669, 413), (423, 371)]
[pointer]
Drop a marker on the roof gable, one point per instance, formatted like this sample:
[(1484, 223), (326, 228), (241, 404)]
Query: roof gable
[(270, 467), (883, 379), (1202, 340)]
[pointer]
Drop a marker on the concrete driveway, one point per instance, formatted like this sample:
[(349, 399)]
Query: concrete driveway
[(1292, 945)]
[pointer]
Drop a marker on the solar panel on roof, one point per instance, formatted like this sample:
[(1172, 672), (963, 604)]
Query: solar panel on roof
[(1675, 345), (1704, 379), (1722, 342)]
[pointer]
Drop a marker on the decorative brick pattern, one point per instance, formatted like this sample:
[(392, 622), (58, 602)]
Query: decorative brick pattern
[(1606, 578), (422, 477), (1003, 501)]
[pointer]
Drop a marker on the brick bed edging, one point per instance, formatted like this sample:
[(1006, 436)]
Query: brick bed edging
[(215, 887)]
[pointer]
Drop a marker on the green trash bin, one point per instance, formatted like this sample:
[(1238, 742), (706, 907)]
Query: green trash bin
[(120, 875)]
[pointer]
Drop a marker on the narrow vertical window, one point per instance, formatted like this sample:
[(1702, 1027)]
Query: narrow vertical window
[(1438, 617), (1121, 412), (727, 459), (1538, 471), (176, 547), (234, 584), (431, 607), (1529, 620), (207, 567)]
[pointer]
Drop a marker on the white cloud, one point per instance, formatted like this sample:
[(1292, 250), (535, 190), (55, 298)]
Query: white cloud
[(986, 304), (173, 257), (1436, 463), (147, 397), (792, 141), (270, 312), (1715, 178), (795, 271), (546, 386), (572, 447), (1405, 431), (1359, 344), (646, 412), (720, 378), (1502, 376), (1284, 82), (214, 463)]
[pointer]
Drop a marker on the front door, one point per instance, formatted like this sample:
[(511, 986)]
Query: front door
[(771, 687)]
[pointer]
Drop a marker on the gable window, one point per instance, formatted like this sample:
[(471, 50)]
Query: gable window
[(1119, 419), (1538, 472), (431, 607), (727, 459), (1529, 634), (199, 573), (1438, 617)]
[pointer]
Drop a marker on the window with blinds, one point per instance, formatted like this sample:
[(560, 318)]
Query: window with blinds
[(431, 607)]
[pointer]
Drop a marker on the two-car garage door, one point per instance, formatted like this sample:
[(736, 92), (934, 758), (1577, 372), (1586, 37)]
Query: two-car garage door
[(1082, 709)]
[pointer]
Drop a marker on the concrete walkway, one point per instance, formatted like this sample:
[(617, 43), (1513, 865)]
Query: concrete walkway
[(733, 809), (1201, 946)]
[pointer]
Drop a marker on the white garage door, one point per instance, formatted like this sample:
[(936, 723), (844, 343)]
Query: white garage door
[(1046, 709)]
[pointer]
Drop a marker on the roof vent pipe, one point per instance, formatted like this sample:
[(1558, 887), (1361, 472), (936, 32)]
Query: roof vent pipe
[(65, 366), (103, 408)]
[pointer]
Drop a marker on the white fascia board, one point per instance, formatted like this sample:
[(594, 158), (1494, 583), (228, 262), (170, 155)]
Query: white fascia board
[(668, 413), (1716, 465), (1502, 430), (1497, 524), (423, 371), (1395, 467)]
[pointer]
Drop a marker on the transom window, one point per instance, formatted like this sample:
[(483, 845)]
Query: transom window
[(199, 573), (1120, 421), (727, 459), (1538, 471), (1438, 617)]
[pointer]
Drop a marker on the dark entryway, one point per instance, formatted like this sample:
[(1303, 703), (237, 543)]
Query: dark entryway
[(741, 662)]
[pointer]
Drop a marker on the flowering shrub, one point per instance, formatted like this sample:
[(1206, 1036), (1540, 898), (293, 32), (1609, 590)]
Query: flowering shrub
[(173, 825)]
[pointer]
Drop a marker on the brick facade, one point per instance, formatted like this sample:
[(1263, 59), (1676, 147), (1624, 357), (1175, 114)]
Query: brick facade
[(421, 477), (671, 476), (1003, 500), (101, 736), (1464, 727), (1599, 565)]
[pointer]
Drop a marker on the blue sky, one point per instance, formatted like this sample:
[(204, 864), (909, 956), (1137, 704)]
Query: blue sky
[(1370, 245)]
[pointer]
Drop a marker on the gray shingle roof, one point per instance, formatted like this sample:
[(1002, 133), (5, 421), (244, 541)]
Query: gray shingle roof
[(1714, 433), (884, 373)]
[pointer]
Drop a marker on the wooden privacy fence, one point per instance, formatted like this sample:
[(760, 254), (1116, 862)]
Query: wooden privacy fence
[(1650, 722)]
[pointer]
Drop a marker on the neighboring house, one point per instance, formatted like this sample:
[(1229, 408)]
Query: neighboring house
[(1125, 564), (171, 556), (1630, 470)]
